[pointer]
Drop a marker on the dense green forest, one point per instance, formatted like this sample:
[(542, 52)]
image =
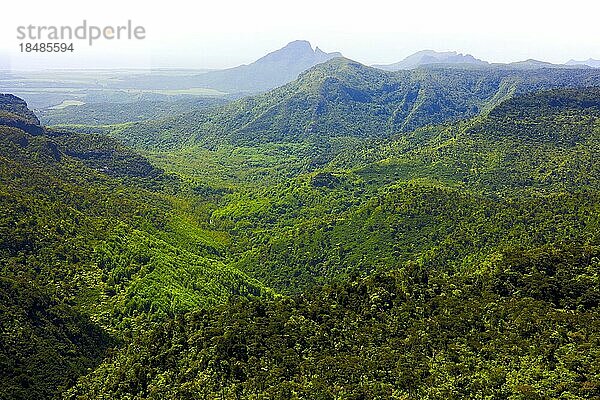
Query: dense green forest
[(522, 326), (355, 234), (91, 248)]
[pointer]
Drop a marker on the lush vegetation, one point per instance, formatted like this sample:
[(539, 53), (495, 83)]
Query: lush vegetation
[(334, 111), (342, 98), (92, 247), (311, 243), (521, 326)]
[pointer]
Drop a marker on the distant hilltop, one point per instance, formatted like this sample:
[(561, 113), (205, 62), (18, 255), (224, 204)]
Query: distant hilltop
[(590, 62), (427, 57)]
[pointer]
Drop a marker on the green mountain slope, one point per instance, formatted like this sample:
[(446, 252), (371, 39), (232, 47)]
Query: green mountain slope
[(457, 259), (92, 247), (543, 140), (343, 98), (328, 113), (449, 194), (63, 187), (478, 246)]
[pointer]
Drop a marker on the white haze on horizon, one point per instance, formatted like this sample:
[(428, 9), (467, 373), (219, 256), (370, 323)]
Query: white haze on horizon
[(228, 33)]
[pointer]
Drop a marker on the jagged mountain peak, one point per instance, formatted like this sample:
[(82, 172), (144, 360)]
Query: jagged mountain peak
[(296, 52), (272, 70)]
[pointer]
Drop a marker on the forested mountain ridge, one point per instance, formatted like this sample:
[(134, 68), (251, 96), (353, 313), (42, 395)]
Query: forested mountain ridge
[(478, 246), (14, 113), (546, 139), (342, 98), (452, 192), (457, 259), (93, 183), (326, 115), (11, 105)]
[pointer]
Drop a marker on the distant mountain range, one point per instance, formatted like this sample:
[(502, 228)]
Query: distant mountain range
[(453, 59), (427, 57), (590, 62), (285, 65), (537, 64)]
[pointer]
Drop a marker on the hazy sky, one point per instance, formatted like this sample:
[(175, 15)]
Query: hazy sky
[(224, 33)]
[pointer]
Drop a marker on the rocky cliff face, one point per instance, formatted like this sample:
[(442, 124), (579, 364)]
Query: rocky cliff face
[(12, 104), (14, 113)]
